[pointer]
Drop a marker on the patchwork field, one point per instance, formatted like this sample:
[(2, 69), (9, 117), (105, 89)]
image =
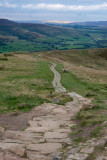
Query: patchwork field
[(40, 37)]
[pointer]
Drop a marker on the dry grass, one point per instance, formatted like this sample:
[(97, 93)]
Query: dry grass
[(26, 57), (24, 81), (85, 64)]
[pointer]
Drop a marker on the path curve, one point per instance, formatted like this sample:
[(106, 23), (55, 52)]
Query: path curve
[(47, 133), (57, 78), (48, 130)]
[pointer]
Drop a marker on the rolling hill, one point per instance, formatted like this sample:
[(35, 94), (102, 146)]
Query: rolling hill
[(36, 37), (97, 23)]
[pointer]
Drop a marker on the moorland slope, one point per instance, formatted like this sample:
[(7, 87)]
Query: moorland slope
[(36, 37)]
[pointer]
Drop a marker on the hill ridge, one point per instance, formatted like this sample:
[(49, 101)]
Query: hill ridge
[(36, 37)]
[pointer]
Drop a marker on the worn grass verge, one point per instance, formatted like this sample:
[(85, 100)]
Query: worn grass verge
[(88, 119)]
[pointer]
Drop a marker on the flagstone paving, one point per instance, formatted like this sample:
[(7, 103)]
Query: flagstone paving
[(47, 133)]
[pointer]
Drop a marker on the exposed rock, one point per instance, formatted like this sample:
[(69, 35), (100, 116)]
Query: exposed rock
[(57, 158), (55, 135), (56, 100), (74, 95), (105, 158), (100, 158), (1, 154), (7, 146), (18, 150), (59, 140), (78, 156), (87, 106), (91, 140), (101, 142), (59, 110), (74, 150), (104, 123), (105, 149), (2, 129), (38, 129), (35, 156), (65, 70), (87, 150), (45, 148), (50, 123), (11, 157)]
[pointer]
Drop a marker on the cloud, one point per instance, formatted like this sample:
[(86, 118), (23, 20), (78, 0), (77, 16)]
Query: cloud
[(57, 7), (1, 4), (65, 7), (8, 5), (44, 6)]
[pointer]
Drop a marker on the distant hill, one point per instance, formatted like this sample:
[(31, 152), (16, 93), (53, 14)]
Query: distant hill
[(51, 31), (67, 23), (35, 36), (97, 23), (10, 28), (6, 22), (31, 31)]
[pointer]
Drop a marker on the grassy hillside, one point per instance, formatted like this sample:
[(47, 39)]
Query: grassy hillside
[(87, 76), (23, 81), (26, 81), (89, 64), (93, 58), (51, 31), (89, 120), (37, 37)]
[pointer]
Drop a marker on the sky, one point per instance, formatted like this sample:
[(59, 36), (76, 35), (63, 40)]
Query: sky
[(57, 10)]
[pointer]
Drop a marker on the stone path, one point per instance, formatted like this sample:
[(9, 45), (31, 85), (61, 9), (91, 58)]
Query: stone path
[(47, 136), (84, 151), (57, 78), (44, 139)]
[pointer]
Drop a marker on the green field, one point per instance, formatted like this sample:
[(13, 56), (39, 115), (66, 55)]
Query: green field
[(42, 37)]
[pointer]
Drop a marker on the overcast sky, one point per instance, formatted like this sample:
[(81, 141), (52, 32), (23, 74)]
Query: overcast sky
[(48, 10)]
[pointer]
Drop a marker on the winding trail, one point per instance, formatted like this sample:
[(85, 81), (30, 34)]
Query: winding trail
[(45, 137), (48, 131), (57, 78)]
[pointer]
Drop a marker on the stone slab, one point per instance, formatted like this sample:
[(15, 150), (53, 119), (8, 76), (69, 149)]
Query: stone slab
[(59, 110), (55, 135), (18, 150), (88, 150), (78, 156), (45, 148)]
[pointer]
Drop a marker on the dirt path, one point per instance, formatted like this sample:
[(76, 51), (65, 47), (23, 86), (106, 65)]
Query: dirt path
[(56, 82)]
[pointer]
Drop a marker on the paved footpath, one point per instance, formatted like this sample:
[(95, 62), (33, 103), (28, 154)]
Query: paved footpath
[(48, 131), (57, 78)]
